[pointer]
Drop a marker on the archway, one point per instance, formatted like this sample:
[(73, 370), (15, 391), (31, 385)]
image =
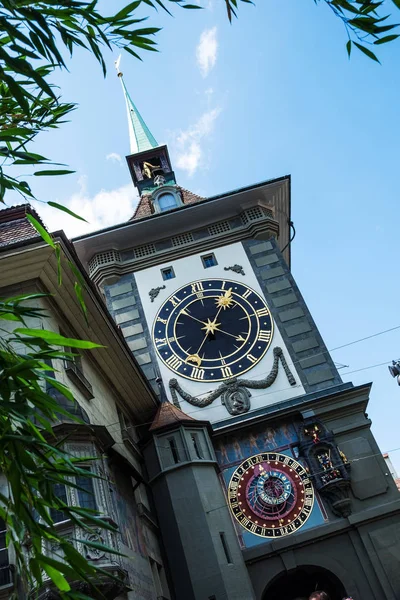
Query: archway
[(301, 582)]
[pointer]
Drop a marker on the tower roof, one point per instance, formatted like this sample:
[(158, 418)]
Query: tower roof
[(169, 414), (140, 136)]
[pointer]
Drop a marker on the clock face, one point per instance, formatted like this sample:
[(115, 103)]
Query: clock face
[(271, 495), (213, 329)]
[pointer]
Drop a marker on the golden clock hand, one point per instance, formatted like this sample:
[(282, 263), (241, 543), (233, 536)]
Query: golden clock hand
[(183, 312), (238, 338)]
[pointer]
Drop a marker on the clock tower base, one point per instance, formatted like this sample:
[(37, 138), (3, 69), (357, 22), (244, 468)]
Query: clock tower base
[(201, 544)]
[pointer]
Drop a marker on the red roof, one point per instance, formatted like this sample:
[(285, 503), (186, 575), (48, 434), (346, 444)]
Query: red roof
[(15, 227), (145, 207), (169, 414)]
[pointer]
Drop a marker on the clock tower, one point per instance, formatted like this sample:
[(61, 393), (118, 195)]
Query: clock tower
[(255, 454)]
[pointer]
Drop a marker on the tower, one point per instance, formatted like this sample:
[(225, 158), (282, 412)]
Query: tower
[(198, 533), (204, 295)]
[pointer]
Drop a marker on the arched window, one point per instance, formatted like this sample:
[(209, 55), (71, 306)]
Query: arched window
[(167, 201)]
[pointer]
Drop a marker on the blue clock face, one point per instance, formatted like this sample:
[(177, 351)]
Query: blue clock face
[(212, 329)]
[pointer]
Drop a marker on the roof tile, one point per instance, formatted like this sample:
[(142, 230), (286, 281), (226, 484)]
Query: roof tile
[(168, 414)]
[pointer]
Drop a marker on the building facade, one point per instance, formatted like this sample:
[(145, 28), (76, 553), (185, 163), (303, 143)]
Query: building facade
[(204, 296), (111, 408), (243, 467)]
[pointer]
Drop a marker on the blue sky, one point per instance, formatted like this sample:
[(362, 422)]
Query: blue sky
[(271, 94)]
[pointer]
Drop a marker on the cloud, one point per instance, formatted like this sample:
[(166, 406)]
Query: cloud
[(114, 157), (105, 208), (206, 51), (188, 143)]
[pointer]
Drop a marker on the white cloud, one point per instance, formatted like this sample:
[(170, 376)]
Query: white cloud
[(206, 51), (106, 208), (114, 157), (188, 143)]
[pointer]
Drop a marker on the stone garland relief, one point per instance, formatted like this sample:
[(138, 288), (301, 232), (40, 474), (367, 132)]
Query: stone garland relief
[(236, 269), (153, 293), (234, 393)]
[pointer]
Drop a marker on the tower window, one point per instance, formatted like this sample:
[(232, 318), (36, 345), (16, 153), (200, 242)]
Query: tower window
[(209, 260), (167, 273), (167, 201), (196, 445), (225, 547), (174, 449)]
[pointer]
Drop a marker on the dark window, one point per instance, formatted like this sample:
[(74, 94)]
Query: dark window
[(209, 261), (174, 450), (5, 574), (225, 547), (196, 445), (61, 493), (86, 496), (167, 273)]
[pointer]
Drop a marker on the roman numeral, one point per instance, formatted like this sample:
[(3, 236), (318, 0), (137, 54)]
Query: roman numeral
[(160, 342), (173, 362), (171, 339), (226, 372), (197, 373), (175, 301), (264, 336), (163, 321), (251, 358), (197, 287), (246, 294), (262, 312)]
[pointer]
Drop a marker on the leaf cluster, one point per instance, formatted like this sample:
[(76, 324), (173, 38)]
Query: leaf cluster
[(32, 460), (364, 23), (36, 39)]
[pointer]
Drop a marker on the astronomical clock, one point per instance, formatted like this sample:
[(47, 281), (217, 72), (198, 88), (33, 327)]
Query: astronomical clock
[(271, 495)]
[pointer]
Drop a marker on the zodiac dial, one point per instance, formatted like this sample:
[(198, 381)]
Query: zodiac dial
[(271, 495), (213, 329)]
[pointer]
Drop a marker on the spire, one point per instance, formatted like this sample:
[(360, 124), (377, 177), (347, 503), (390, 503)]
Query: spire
[(140, 136)]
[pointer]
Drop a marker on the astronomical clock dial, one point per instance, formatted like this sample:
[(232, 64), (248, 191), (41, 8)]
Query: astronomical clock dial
[(271, 495), (213, 329)]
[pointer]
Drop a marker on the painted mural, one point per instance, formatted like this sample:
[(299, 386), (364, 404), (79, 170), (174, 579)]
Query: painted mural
[(135, 541), (232, 449)]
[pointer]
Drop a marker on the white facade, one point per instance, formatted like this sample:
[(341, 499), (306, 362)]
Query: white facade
[(191, 269)]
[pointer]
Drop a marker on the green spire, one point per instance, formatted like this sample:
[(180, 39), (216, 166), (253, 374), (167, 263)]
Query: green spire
[(140, 136)]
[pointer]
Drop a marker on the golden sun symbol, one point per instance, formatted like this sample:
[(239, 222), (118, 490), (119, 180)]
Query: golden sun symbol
[(226, 300)]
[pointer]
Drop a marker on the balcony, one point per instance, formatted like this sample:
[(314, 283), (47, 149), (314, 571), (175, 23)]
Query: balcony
[(112, 564)]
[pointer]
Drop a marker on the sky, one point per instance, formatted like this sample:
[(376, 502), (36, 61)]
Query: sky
[(272, 94)]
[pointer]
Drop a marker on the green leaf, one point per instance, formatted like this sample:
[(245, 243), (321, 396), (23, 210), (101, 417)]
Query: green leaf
[(67, 210), (56, 577), (397, 3), (57, 339), (384, 40), (348, 47), (126, 11), (56, 172), (41, 230), (367, 52)]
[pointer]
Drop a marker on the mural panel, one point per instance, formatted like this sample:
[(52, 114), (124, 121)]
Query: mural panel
[(269, 490)]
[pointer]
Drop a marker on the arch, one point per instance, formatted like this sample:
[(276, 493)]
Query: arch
[(299, 583)]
